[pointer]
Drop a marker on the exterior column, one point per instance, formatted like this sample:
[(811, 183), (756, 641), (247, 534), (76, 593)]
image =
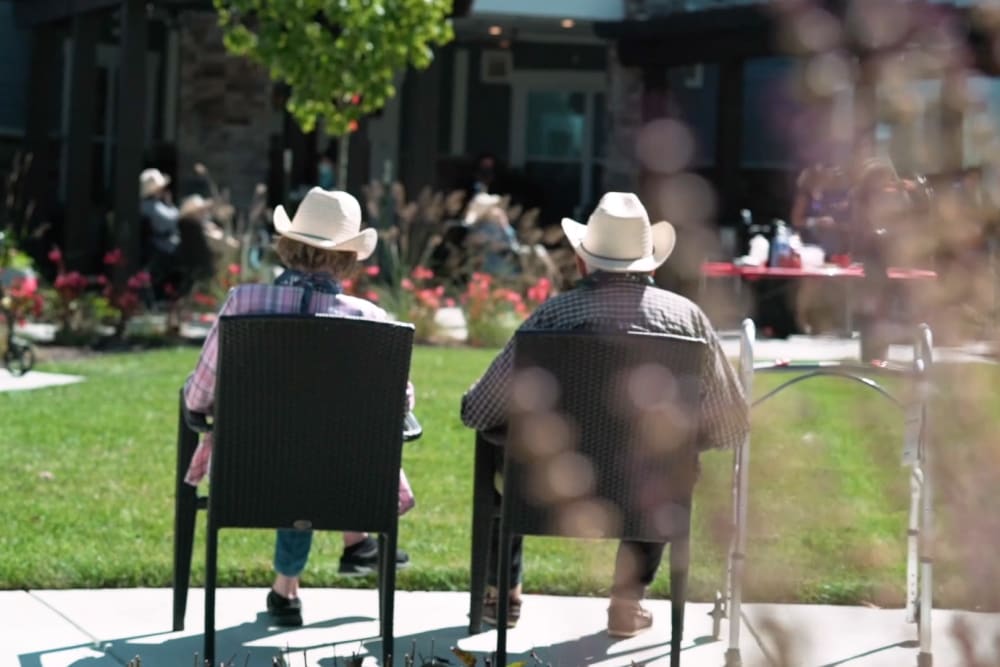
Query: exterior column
[(79, 237), (45, 52), (131, 132), (422, 94), (729, 143)]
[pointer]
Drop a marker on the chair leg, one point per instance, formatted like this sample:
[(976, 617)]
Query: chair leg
[(211, 571), (383, 562), (185, 512), (387, 566), (483, 510), (680, 556), (503, 593)]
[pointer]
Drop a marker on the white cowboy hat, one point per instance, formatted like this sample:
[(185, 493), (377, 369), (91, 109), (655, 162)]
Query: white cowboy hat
[(194, 205), (328, 219), (619, 238), (152, 181), (479, 206)]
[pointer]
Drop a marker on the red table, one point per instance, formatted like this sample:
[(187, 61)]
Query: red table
[(753, 273), (728, 269)]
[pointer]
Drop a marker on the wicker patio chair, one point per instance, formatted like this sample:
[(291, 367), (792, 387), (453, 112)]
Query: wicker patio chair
[(307, 436), (618, 413)]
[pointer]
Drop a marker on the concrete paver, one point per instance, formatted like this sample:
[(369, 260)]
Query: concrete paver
[(109, 627), (34, 380)]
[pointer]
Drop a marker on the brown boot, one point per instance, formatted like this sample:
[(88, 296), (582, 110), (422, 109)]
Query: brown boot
[(627, 618)]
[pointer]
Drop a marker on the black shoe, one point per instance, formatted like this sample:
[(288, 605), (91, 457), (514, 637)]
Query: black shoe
[(362, 558), (285, 612)]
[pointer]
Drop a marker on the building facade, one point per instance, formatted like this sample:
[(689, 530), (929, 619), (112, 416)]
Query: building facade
[(558, 93)]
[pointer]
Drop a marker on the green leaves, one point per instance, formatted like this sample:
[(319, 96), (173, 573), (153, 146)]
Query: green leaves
[(340, 57)]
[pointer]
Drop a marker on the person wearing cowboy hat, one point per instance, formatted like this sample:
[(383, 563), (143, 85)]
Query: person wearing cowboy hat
[(159, 210), (617, 252), (320, 247)]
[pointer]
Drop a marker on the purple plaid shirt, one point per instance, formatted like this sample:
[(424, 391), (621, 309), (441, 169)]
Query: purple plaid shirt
[(624, 303), (199, 390)]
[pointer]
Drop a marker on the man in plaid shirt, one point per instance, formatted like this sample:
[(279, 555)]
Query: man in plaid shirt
[(617, 251)]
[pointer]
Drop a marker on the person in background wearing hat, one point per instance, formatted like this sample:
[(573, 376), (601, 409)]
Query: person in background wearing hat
[(194, 259), (491, 235), (319, 247), (617, 252), (160, 234)]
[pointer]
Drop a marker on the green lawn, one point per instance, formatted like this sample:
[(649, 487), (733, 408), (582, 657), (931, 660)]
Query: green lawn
[(88, 495)]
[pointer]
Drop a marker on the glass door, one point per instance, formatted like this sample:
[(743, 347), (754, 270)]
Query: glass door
[(558, 141)]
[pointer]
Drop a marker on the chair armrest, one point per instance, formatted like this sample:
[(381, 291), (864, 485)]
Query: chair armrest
[(496, 436), (412, 430), (197, 421)]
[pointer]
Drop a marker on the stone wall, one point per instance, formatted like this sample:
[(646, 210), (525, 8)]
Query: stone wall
[(225, 117)]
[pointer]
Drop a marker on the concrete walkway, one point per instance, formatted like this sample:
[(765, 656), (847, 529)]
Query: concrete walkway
[(110, 627)]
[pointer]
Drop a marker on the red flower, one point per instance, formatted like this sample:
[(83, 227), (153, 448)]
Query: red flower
[(203, 299), (113, 257), (347, 285), (234, 269), (102, 280), (139, 281), (55, 255), (352, 126), (169, 290), (372, 271), (371, 295)]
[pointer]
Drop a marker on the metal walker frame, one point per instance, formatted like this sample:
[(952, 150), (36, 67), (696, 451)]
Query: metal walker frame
[(916, 455)]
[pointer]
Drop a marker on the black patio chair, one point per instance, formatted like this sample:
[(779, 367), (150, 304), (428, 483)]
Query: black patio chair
[(619, 414), (307, 427)]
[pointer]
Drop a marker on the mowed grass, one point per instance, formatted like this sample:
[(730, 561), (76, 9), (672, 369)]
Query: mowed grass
[(88, 491)]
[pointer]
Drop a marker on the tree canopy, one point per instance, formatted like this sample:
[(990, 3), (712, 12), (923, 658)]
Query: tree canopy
[(339, 57)]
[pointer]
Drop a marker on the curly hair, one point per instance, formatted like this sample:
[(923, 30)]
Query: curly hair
[(304, 257)]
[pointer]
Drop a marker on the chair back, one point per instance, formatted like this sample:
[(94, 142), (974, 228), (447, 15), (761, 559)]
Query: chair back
[(602, 435), (307, 422)]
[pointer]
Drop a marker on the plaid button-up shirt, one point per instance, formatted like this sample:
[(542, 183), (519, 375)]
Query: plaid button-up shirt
[(624, 303), (199, 390)]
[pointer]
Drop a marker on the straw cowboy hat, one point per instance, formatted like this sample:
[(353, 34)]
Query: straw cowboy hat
[(194, 206), (328, 219), (619, 238), (479, 206), (152, 181)]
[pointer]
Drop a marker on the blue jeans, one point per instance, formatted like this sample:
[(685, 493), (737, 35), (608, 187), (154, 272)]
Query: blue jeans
[(291, 551)]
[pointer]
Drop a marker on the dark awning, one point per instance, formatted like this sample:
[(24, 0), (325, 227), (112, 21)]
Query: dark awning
[(33, 12), (690, 37)]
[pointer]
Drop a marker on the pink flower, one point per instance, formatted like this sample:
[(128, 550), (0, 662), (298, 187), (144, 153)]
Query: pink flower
[(102, 280), (348, 285), (422, 273), (449, 302), (372, 271), (55, 255), (371, 295), (407, 284), (24, 287), (113, 257), (234, 269)]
